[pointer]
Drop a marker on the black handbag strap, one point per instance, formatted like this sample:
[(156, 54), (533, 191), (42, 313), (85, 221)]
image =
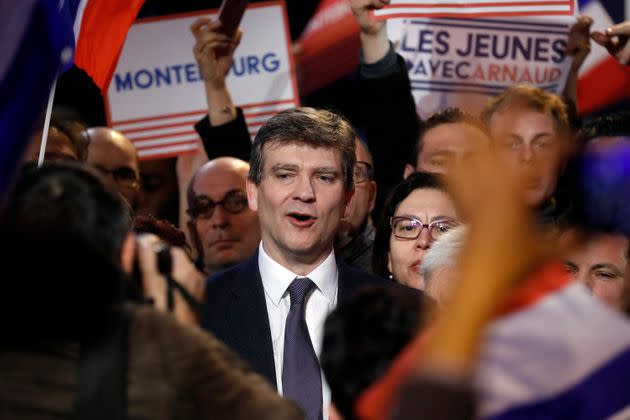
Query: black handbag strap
[(102, 377)]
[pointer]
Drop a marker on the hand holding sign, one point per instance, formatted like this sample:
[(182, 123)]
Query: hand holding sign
[(361, 10), (616, 41), (213, 66), (374, 41)]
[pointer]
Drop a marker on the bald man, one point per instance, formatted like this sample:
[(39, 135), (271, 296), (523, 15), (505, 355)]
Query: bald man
[(223, 229), (114, 155)]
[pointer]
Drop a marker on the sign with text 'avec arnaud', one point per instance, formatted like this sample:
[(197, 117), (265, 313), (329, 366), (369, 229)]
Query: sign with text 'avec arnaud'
[(464, 62), (157, 92)]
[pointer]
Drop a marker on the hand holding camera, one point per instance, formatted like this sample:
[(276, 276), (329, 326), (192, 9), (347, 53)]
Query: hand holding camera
[(173, 284)]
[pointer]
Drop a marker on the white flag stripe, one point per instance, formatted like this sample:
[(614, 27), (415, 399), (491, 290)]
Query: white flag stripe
[(78, 20), (601, 21), (167, 150), (411, 11)]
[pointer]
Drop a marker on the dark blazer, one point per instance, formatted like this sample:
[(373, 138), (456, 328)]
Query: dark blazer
[(235, 310)]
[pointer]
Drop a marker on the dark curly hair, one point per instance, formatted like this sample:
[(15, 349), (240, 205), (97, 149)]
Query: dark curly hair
[(418, 180), (363, 335)]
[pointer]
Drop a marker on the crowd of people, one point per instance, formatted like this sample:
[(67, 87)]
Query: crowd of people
[(466, 266)]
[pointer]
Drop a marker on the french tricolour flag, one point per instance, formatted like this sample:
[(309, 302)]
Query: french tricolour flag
[(38, 43), (100, 28), (603, 81)]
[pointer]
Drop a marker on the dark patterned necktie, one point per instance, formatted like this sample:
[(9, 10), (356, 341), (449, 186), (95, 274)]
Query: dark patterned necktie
[(301, 377)]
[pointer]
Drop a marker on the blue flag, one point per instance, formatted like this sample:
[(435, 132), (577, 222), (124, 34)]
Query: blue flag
[(37, 43)]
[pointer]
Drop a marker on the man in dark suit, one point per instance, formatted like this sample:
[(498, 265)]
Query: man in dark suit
[(272, 307)]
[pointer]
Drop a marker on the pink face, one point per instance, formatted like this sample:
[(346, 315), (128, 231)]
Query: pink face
[(300, 202), (531, 145), (449, 143), (602, 265), (227, 238), (405, 255)]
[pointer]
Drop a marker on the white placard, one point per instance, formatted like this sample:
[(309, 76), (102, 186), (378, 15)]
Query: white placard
[(157, 94), (463, 62)]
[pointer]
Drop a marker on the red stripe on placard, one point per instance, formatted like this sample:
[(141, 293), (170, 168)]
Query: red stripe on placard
[(158, 127), (470, 5), (475, 14), (260, 114), (164, 136), (188, 142), (261, 104), (158, 117), (185, 114)]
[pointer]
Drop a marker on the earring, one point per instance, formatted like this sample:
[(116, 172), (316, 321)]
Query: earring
[(391, 277)]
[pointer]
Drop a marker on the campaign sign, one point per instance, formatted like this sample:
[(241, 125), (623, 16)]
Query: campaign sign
[(472, 8), (157, 93), (463, 62)]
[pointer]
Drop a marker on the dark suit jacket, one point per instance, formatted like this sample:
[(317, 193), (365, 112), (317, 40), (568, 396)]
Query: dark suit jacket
[(235, 310)]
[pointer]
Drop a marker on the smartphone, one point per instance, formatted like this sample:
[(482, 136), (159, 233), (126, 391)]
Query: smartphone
[(230, 15)]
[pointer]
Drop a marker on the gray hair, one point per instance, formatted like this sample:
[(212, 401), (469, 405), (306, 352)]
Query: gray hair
[(444, 252)]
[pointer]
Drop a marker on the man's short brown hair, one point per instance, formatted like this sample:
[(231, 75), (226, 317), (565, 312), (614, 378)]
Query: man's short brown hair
[(310, 127), (529, 97)]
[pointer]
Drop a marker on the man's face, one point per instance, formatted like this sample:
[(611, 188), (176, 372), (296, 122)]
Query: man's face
[(362, 201), (601, 264), (300, 201), (226, 238), (159, 190), (116, 158), (448, 143), (530, 143)]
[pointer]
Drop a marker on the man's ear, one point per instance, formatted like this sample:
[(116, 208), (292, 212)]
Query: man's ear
[(373, 190), (252, 194), (195, 240), (408, 171), (347, 200), (128, 253)]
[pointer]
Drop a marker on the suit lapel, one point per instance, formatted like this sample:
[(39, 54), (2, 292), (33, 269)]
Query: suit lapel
[(348, 283), (249, 321)]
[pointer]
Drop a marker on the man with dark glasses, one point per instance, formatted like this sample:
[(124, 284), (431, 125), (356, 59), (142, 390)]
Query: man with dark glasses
[(223, 230), (115, 156)]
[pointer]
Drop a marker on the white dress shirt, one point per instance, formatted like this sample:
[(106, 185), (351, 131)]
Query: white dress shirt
[(276, 279)]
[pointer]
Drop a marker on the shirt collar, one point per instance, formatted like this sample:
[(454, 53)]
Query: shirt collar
[(277, 278)]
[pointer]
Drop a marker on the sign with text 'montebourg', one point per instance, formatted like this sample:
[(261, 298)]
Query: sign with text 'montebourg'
[(157, 93)]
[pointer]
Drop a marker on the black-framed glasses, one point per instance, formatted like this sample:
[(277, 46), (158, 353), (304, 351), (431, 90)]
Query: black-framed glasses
[(234, 201), (406, 227), (124, 176), (363, 172)]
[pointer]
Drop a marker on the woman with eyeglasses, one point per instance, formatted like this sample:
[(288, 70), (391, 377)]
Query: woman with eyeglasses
[(417, 212)]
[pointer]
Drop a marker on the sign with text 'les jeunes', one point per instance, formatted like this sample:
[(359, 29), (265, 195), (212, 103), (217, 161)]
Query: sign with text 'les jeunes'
[(157, 92), (464, 62), (474, 8)]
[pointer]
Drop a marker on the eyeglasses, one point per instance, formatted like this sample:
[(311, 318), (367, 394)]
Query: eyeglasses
[(124, 176), (362, 172), (405, 227), (233, 202)]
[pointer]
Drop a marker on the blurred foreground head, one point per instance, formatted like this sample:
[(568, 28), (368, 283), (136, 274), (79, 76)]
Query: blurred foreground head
[(530, 129), (64, 229), (363, 335)]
